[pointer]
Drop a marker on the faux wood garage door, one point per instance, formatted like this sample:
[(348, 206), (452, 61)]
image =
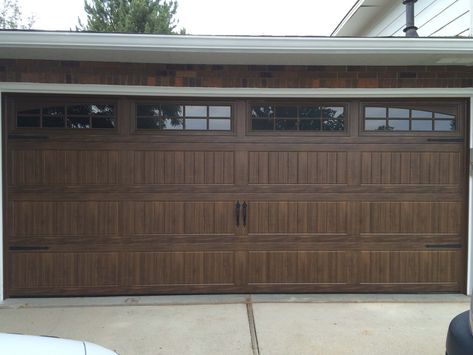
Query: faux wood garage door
[(146, 196)]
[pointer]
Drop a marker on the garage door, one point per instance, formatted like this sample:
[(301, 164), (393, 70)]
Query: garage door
[(111, 195)]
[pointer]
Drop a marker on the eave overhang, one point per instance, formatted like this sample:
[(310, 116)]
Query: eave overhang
[(234, 50)]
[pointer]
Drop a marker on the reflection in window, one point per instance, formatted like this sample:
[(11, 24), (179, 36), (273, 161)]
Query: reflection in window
[(68, 116), (168, 116), (406, 119), (301, 118)]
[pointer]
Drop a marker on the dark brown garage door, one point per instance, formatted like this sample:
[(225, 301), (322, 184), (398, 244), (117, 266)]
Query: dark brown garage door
[(146, 196)]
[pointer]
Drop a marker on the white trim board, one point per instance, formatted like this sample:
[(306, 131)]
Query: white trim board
[(86, 89), (136, 90)]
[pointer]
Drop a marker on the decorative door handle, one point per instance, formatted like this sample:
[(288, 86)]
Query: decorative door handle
[(244, 206), (237, 213)]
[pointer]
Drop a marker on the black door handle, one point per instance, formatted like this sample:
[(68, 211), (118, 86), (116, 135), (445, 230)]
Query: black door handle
[(237, 213), (245, 206)]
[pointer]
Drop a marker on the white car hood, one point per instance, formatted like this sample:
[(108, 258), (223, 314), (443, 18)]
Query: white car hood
[(18, 344)]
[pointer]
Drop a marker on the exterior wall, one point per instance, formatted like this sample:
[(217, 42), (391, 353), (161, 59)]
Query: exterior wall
[(434, 18), (244, 76)]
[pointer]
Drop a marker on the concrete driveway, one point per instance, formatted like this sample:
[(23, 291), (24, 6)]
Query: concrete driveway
[(244, 324)]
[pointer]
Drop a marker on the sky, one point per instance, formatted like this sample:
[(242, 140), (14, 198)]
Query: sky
[(216, 17)]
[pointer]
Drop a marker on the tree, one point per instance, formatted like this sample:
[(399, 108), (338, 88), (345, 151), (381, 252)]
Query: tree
[(11, 16), (131, 16)]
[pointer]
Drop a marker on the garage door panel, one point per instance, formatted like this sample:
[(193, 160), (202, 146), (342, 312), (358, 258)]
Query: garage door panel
[(296, 217), (183, 167), (180, 268), (174, 217), (297, 267), (410, 267), (411, 168), (411, 217), (297, 167), (145, 209), (63, 218), (62, 270), (64, 167)]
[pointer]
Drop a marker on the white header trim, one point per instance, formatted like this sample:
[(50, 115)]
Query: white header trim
[(92, 89)]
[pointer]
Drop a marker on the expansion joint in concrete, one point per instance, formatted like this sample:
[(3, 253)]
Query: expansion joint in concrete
[(252, 325)]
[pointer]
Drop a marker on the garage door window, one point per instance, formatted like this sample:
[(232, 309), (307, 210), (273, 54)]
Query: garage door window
[(70, 116), (297, 118), (385, 118), (183, 117)]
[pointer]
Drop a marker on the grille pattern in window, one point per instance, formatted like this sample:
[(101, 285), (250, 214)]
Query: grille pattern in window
[(184, 117), (67, 116), (382, 118), (297, 118)]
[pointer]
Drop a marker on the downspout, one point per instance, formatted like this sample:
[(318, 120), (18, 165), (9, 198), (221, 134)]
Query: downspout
[(411, 29)]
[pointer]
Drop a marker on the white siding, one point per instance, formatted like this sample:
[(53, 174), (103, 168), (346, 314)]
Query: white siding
[(437, 18)]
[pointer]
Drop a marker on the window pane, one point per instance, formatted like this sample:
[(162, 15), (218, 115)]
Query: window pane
[(262, 111), (196, 111), (286, 111), (443, 115), (398, 113), (53, 121), (333, 125), (421, 114), (54, 111), (78, 122), (421, 125), (32, 112), (103, 122), (445, 125), (332, 112), (310, 125), (266, 125), (102, 110), (282, 124), (219, 125), (148, 110), (172, 123), (398, 125), (198, 124), (375, 112), (220, 111), (79, 110), (159, 123), (375, 125), (90, 109), (310, 112), (172, 110), (28, 121)]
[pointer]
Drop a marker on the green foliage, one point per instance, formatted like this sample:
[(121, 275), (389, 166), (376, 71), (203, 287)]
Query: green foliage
[(11, 17), (130, 16)]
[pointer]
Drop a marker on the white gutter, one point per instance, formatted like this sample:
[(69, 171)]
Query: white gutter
[(234, 49), (240, 44)]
